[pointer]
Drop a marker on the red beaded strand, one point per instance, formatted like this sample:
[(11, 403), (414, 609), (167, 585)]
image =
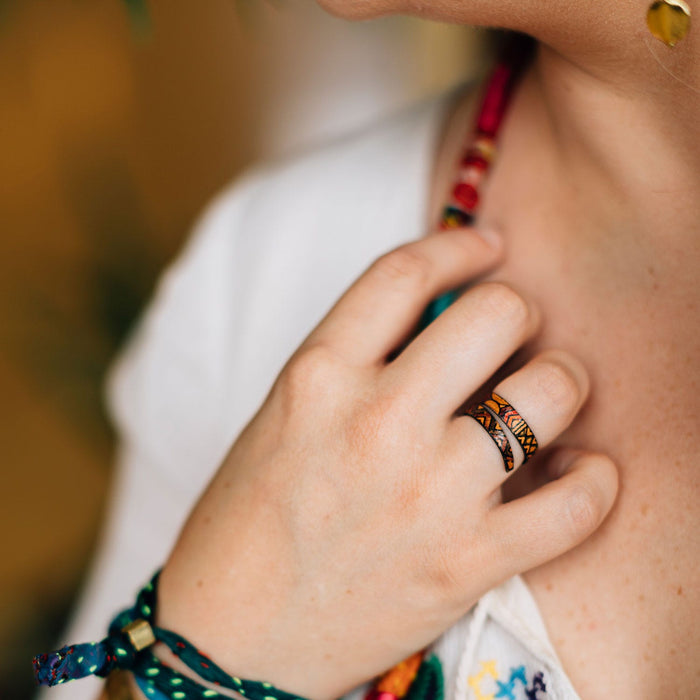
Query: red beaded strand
[(481, 150)]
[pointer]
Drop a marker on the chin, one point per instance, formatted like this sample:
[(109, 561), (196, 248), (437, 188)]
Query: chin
[(362, 9), (449, 11)]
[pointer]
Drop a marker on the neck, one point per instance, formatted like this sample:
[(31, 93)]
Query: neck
[(596, 199), (594, 191), (629, 145)]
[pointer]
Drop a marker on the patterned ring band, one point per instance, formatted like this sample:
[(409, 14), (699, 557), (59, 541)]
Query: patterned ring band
[(515, 423), (485, 418)]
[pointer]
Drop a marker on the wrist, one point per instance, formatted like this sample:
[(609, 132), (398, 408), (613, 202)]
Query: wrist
[(261, 636)]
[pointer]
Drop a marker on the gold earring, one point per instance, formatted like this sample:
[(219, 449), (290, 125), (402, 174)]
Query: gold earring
[(669, 20)]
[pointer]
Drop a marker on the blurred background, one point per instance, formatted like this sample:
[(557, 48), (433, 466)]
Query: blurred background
[(116, 127)]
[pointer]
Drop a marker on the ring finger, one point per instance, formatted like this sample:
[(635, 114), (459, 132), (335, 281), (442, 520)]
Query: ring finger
[(546, 393)]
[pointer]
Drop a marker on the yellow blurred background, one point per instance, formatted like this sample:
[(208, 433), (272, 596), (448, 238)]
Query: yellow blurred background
[(114, 133)]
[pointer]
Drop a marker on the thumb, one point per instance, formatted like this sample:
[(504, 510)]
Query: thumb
[(555, 518)]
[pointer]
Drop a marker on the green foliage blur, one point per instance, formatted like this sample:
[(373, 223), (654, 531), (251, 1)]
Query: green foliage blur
[(138, 12)]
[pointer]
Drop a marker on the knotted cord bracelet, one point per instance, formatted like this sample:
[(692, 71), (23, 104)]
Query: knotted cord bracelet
[(127, 647), (128, 644)]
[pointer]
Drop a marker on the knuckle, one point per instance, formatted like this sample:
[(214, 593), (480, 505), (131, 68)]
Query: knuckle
[(453, 565), (373, 424), (504, 302), (404, 263), (559, 385), (445, 569), (311, 370), (583, 510), (417, 487)]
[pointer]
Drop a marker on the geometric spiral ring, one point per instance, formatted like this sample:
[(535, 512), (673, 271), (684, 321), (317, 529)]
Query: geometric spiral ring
[(515, 423), (483, 416)]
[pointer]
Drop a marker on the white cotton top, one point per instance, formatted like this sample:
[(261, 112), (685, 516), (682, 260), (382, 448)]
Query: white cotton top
[(265, 263)]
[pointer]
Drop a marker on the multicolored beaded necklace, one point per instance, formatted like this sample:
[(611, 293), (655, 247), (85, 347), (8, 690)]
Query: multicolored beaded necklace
[(133, 632), (480, 150), (400, 682)]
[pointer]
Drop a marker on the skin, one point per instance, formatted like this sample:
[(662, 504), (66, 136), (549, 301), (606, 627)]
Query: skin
[(603, 233), (595, 198)]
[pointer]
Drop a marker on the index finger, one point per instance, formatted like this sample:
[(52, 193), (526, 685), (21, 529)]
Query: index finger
[(382, 307)]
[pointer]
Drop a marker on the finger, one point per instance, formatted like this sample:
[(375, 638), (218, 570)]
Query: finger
[(463, 347), (555, 518), (379, 311), (547, 393)]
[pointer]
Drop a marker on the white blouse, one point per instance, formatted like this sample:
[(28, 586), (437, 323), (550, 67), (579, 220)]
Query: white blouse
[(265, 263)]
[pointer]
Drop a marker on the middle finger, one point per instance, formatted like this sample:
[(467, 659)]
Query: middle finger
[(462, 348)]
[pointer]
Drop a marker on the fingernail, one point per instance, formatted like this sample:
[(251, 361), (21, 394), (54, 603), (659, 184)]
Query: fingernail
[(560, 462), (491, 236)]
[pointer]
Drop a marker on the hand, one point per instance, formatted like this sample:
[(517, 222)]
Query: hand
[(358, 515)]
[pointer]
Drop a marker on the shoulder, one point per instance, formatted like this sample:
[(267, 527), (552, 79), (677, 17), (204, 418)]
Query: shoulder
[(312, 197), (339, 178), (265, 261)]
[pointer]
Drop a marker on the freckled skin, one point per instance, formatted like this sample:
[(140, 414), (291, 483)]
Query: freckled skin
[(627, 307), (595, 194)]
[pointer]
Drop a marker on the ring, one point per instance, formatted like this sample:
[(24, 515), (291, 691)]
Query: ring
[(515, 423), (481, 414), (486, 414)]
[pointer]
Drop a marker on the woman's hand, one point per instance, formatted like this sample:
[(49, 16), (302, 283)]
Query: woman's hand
[(359, 515)]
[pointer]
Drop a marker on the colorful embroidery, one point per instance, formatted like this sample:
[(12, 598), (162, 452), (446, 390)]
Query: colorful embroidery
[(537, 686), (487, 684), (507, 690), (488, 668)]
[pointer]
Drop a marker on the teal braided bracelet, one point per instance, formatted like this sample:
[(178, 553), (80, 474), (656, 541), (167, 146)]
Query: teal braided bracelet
[(127, 647)]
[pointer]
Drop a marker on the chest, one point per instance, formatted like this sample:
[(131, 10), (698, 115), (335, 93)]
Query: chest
[(619, 608)]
